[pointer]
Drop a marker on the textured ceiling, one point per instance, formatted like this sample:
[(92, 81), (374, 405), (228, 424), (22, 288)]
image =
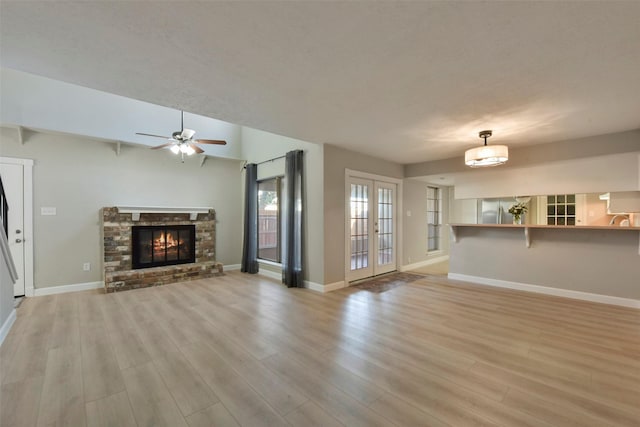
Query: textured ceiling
[(405, 81)]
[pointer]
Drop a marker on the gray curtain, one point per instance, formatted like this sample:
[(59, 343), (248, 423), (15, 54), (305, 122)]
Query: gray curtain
[(292, 274), (250, 243)]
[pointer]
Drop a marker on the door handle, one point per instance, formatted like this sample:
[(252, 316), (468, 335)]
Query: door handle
[(18, 240)]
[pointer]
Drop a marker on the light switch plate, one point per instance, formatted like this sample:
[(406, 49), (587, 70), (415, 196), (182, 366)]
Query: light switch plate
[(48, 211)]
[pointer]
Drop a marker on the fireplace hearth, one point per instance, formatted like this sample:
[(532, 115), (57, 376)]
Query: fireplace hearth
[(158, 245)]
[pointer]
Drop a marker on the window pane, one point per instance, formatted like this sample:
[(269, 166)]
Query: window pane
[(171, 244), (184, 244), (158, 246), (434, 203), (269, 219), (359, 226), (145, 245)]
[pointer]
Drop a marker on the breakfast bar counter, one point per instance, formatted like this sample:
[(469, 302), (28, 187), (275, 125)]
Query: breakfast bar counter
[(596, 263)]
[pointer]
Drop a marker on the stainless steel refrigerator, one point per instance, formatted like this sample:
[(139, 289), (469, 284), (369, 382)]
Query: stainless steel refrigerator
[(495, 211)]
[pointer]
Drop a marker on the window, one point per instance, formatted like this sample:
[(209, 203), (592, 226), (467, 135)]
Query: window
[(269, 227), (434, 205), (561, 209)]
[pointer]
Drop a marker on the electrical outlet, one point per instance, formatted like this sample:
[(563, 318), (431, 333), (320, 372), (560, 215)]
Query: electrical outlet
[(86, 266), (48, 211)]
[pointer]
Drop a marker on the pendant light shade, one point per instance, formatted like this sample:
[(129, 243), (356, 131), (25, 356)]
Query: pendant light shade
[(486, 155)]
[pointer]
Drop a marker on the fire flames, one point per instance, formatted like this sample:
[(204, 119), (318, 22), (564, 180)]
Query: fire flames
[(166, 242)]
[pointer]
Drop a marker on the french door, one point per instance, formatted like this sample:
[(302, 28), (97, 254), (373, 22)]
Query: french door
[(371, 228)]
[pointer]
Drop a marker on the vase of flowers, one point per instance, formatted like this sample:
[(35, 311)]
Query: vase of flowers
[(518, 210)]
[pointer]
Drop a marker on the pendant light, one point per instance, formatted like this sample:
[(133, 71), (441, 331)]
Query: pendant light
[(486, 155)]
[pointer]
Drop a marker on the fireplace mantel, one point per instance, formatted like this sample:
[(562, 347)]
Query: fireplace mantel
[(135, 211)]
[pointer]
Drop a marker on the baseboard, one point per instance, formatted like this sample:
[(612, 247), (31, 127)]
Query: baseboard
[(314, 286), (68, 288), (307, 284), (335, 286), (270, 274), (231, 267), (424, 263), (6, 326), (566, 293)]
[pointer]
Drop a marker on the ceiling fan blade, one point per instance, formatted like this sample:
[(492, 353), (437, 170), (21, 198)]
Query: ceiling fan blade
[(196, 148), (162, 146), (210, 141), (156, 136)]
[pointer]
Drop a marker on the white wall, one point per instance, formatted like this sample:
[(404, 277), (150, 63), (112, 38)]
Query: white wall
[(41, 103), (519, 157), (614, 172), (258, 146), (79, 176)]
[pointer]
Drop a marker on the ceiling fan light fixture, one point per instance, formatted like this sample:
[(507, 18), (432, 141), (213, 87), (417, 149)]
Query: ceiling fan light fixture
[(486, 155), (188, 134), (189, 151), (182, 142)]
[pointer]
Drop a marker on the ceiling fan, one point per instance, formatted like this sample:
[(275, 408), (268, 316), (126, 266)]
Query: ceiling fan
[(182, 142)]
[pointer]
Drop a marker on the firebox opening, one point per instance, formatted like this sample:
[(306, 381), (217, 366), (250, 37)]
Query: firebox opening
[(157, 245)]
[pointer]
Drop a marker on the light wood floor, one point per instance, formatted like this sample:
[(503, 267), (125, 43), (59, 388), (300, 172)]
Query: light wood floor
[(243, 350)]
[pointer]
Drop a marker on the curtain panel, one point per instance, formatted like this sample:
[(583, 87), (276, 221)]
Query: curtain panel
[(250, 241), (292, 272)]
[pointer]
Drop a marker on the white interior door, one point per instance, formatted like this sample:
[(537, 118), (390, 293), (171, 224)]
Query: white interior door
[(13, 183), (371, 228)]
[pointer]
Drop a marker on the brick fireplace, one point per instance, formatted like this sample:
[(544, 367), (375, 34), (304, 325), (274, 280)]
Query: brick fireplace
[(118, 223)]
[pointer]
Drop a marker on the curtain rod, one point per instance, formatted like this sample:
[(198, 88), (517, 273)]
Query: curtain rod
[(266, 161), (271, 160)]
